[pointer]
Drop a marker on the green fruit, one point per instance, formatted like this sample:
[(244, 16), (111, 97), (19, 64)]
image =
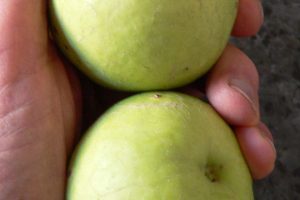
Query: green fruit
[(142, 44), (159, 146)]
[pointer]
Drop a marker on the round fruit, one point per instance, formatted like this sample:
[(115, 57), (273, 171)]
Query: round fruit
[(162, 145), (141, 45)]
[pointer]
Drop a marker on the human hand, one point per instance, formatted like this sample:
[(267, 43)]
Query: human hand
[(40, 103), (39, 106)]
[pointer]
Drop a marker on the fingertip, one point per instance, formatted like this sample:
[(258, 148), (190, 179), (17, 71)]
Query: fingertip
[(249, 19), (233, 106), (232, 88), (258, 150)]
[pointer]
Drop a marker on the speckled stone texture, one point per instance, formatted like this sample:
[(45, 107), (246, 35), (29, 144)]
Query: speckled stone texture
[(276, 52)]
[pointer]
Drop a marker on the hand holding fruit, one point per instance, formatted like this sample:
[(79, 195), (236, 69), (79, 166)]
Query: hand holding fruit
[(39, 104)]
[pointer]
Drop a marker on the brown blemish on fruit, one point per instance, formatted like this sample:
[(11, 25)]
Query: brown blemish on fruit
[(157, 96), (66, 47), (212, 172)]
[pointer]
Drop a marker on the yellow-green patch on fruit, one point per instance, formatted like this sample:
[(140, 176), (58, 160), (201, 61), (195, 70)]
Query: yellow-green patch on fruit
[(164, 145), (140, 45)]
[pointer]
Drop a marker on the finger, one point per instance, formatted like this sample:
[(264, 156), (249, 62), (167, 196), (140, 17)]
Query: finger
[(257, 146), (249, 18), (232, 88)]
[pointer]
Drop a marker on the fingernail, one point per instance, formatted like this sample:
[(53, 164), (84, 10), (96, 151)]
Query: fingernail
[(246, 90), (265, 131), (266, 136)]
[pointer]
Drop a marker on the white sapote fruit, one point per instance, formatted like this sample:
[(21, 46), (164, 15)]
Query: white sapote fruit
[(139, 45), (154, 146)]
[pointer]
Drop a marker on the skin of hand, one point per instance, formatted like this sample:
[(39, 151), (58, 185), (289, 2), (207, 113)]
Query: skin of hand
[(40, 102)]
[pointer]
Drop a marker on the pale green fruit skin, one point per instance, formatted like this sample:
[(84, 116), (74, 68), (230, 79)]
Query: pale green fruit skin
[(152, 147), (143, 45)]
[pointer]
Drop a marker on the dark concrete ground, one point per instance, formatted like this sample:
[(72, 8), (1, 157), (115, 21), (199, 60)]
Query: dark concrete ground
[(276, 52)]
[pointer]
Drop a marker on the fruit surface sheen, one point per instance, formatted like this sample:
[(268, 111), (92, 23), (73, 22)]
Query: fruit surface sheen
[(159, 146), (140, 45)]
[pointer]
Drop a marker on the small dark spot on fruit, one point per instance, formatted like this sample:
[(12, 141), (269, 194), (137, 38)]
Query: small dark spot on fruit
[(186, 69), (66, 47), (212, 172), (157, 96)]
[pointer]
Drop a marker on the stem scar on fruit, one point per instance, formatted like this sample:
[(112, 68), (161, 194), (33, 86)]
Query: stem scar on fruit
[(157, 96)]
